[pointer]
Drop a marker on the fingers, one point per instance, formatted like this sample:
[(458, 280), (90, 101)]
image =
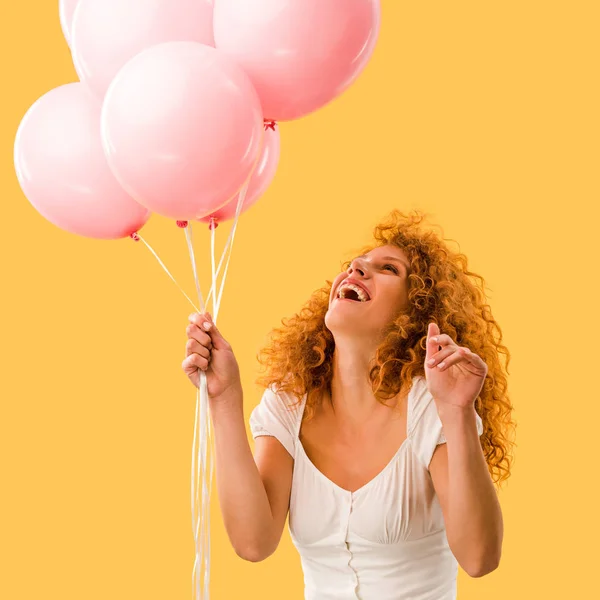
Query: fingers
[(199, 345), (442, 352), (455, 355), (194, 332), (194, 346), (199, 319), (195, 361), (437, 357), (441, 339), (205, 322), (471, 357)]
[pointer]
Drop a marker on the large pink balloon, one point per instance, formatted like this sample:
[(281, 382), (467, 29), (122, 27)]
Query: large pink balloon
[(182, 128), (66, 9), (63, 172), (260, 180), (300, 54), (107, 33)]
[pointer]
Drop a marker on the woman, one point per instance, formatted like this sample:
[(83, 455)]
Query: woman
[(382, 429)]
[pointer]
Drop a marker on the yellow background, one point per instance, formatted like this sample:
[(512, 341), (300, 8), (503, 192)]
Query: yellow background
[(484, 115)]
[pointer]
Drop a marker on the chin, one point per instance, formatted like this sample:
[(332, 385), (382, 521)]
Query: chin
[(339, 323), (333, 322)]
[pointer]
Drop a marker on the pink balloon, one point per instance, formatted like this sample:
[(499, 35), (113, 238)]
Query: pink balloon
[(260, 180), (299, 54), (107, 33), (63, 172), (66, 9), (182, 128)]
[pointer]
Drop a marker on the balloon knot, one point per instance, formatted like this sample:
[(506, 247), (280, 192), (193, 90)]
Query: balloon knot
[(270, 124), (135, 237), (182, 224), (213, 223)]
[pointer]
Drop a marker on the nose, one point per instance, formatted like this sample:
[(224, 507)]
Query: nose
[(357, 265)]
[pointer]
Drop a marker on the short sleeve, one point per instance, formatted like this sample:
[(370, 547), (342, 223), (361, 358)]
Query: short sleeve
[(425, 424), (274, 418)]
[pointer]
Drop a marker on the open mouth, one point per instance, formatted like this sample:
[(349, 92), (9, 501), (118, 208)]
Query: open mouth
[(353, 293)]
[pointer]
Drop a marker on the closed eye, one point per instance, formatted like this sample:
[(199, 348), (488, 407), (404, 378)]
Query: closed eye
[(394, 269)]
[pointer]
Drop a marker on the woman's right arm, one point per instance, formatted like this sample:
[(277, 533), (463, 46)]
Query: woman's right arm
[(254, 492)]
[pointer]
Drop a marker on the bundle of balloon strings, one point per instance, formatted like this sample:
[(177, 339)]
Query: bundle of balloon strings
[(203, 447)]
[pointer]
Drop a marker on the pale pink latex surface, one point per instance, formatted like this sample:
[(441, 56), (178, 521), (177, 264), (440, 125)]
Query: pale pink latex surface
[(63, 172), (182, 128), (300, 54), (66, 10), (107, 33), (261, 179)]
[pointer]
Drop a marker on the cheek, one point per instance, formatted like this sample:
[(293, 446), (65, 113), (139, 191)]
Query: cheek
[(391, 294), (392, 299)]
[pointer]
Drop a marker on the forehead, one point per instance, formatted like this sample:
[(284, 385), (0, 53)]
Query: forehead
[(387, 251)]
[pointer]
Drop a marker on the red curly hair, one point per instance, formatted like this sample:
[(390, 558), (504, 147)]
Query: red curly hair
[(298, 358)]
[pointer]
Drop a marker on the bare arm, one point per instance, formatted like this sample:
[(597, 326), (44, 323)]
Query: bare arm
[(253, 492), (467, 496)]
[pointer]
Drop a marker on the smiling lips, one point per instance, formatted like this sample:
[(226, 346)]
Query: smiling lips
[(348, 286)]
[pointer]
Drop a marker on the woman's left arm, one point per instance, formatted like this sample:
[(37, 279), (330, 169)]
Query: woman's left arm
[(472, 514)]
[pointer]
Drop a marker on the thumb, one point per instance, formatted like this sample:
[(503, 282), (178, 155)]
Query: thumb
[(218, 341)]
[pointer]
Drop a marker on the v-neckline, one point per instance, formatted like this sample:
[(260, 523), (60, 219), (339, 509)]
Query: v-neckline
[(376, 477), (362, 487)]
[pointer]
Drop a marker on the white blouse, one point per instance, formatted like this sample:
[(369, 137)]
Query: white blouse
[(385, 541)]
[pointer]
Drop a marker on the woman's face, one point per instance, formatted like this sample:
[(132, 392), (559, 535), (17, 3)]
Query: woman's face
[(370, 294)]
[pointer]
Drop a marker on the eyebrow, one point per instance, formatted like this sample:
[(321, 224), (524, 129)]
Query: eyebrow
[(393, 258)]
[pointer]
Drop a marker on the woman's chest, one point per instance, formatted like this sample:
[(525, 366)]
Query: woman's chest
[(350, 461), (351, 466), (398, 504)]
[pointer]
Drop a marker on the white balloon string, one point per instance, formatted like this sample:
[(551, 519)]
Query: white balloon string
[(202, 522), (216, 303), (211, 445), (196, 570), (199, 422), (220, 265), (190, 240), (209, 438), (199, 477), (213, 230), (203, 443), (167, 271), (238, 210)]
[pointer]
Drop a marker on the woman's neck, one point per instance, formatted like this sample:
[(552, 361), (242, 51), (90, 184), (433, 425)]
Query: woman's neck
[(351, 396)]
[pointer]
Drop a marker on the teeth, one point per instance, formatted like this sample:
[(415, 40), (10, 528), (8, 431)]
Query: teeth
[(362, 296)]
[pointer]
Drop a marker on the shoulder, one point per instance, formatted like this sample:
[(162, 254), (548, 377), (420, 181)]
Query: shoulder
[(419, 401), (277, 414), (424, 423)]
